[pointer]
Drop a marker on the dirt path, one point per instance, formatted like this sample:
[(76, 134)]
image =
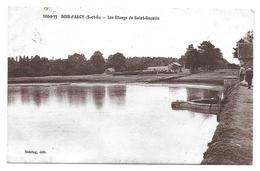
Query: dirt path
[(215, 77), (232, 142)]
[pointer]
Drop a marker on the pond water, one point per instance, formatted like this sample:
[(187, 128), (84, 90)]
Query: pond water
[(107, 123)]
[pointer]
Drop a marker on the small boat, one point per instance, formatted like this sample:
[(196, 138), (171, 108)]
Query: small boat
[(208, 105)]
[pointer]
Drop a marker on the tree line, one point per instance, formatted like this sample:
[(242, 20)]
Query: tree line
[(205, 56), (77, 64)]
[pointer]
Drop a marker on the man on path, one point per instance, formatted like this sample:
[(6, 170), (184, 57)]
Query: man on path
[(242, 73), (249, 77)]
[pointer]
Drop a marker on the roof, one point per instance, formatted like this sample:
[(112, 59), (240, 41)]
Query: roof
[(110, 69), (157, 67), (175, 63)]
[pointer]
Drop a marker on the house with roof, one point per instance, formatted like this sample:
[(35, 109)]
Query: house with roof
[(172, 67)]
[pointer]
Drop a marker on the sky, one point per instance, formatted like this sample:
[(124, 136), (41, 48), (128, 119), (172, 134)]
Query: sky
[(30, 34)]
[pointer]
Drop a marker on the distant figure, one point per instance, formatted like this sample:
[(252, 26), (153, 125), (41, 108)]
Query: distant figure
[(249, 77), (242, 73)]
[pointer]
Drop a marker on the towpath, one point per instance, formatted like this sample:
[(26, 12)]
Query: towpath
[(232, 142)]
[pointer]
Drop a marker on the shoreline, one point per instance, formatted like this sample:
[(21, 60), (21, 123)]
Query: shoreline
[(98, 78), (232, 143), (215, 77), (172, 82), (186, 85)]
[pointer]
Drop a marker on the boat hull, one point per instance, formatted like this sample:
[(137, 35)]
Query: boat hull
[(197, 106)]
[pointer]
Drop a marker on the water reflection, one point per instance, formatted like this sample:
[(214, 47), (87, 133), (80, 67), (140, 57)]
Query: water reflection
[(61, 93), (13, 92), (82, 94), (39, 94), (98, 94), (182, 93), (195, 93), (77, 95), (117, 94), (25, 97)]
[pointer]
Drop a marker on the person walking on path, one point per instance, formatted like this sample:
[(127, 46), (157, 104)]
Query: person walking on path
[(242, 73), (249, 77)]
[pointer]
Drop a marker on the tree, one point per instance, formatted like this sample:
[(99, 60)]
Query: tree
[(58, 67), (76, 64), (192, 58), (35, 65), (98, 63), (248, 38), (117, 61), (13, 67), (209, 55), (182, 60)]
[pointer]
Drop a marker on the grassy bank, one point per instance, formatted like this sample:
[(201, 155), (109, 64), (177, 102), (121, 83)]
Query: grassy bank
[(183, 77), (216, 76), (232, 143), (95, 78)]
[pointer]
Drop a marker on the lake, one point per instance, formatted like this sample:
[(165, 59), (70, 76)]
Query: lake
[(107, 123)]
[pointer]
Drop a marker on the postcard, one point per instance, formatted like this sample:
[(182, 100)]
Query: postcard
[(130, 86)]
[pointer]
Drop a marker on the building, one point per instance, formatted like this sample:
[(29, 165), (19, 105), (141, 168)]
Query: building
[(172, 67), (110, 71), (175, 66)]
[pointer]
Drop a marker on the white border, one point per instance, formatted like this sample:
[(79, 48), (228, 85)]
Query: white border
[(248, 4)]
